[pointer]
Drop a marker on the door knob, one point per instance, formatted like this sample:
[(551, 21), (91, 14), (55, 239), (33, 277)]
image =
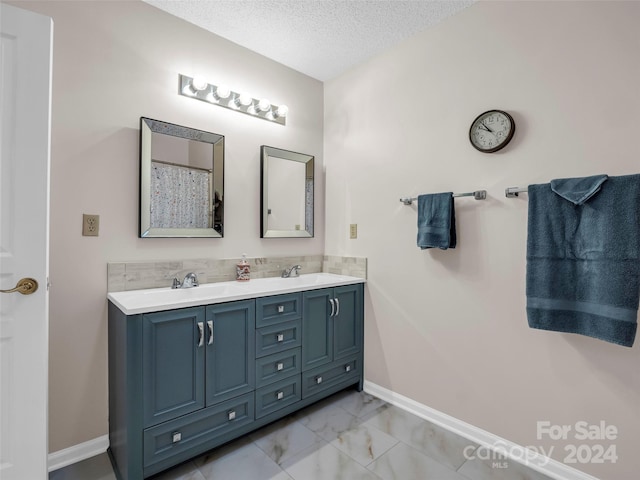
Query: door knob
[(25, 286)]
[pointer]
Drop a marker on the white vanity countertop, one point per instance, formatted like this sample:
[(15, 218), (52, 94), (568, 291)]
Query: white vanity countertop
[(157, 299)]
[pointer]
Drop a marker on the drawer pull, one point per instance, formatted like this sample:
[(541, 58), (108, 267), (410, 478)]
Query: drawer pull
[(318, 380), (333, 307), (337, 306), (280, 308), (176, 437), (280, 395), (232, 415), (280, 337), (279, 366), (347, 368)]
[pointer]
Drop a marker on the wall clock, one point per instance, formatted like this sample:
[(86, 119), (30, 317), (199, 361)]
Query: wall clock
[(492, 131)]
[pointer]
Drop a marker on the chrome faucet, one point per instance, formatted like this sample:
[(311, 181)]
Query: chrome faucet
[(291, 272), (190, 280)]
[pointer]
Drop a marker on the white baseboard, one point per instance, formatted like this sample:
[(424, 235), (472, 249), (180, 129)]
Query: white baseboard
[(77, 453), (545, 465)]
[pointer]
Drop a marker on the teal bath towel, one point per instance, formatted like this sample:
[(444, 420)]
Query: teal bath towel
[(436, 221), (583, 257)]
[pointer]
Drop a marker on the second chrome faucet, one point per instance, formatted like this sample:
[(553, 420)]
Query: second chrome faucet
[(291, 272), (190, 280)]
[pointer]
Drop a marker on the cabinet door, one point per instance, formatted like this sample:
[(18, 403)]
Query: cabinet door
[(230, 350), (173, 364), (347, 321), (317, 328)]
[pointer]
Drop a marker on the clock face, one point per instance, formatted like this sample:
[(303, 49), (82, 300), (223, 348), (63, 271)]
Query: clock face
[(492, 131)]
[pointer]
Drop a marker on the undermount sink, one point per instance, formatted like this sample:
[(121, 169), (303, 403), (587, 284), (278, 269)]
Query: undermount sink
[(154, 299)]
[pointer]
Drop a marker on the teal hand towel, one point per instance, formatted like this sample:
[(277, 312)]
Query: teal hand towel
[(583, 257), (436, 221)]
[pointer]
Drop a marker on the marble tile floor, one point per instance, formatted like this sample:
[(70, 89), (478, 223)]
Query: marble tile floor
[(351, 436)]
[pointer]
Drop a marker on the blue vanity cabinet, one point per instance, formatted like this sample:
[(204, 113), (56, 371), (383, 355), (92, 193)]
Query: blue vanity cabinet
[(184, 381), (332, 338)]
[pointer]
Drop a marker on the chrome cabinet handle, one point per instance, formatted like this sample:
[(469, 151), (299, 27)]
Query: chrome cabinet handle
[(280, 337), (318, 380), (231, 414), (176, 437), (279, 366), (337, 307), (210, 325), (280, 308), (333, 307), (280, 395), (201, 334)]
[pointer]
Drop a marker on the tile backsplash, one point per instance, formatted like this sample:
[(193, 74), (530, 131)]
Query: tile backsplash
[(353, 266), (125, 276)]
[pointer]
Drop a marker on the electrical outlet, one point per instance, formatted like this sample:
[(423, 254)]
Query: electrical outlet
[(353, 230), (90, 225)]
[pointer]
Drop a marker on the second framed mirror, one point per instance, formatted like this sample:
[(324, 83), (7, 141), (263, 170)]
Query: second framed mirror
[(286, 194)]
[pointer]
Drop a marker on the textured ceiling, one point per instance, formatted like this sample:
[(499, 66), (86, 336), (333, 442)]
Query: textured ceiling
[(320, 38)]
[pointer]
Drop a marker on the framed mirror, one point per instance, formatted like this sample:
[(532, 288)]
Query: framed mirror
[(286, 193), (181, 181)]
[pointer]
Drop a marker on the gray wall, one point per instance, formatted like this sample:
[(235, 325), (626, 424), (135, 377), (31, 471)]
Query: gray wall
[(113, 63), (448, 328)]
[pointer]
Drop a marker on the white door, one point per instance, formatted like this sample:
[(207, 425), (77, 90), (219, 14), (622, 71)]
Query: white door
[(25, 91)]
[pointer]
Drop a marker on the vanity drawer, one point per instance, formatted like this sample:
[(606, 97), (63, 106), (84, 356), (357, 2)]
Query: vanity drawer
[(278, 338), (180, 435), (278, 309), (278, 395), (277, 366), (326, 376)]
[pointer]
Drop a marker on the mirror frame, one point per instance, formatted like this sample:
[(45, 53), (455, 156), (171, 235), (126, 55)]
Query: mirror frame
[(149, 126), (308, 161)]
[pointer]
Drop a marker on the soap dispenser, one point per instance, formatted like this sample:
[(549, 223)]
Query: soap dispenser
[(243, 269)]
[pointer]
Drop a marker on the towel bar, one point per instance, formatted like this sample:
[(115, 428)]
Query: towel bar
[(512, 192), (478, 195)]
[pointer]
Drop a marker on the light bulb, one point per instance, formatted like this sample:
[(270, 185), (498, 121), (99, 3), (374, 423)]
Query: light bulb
[(282, 111), (264, 105), (245, 99), (222, 91), (199, 83)]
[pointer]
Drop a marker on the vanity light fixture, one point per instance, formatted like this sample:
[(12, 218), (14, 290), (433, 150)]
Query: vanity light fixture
[(223, 96)]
